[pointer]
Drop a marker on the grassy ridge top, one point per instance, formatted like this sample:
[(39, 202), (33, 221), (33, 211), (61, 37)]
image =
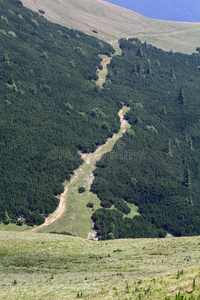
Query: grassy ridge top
[(112, 23), (50, 266)]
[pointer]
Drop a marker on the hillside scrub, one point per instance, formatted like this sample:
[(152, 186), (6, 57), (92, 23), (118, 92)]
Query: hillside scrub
[(51, 108), (157, 167), (48, 94)]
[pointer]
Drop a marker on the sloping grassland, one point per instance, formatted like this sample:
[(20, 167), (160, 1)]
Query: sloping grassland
[(47, 266), (110, 22)]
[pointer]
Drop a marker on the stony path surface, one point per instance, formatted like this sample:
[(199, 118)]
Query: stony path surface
[(89, 160)]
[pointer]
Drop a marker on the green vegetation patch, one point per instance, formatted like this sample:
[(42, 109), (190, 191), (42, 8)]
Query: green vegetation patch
[(47, 77), (155, 164)]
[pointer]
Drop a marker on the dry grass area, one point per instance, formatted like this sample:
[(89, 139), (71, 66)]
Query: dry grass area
[(112, 23), (50, 266), (184, 41)]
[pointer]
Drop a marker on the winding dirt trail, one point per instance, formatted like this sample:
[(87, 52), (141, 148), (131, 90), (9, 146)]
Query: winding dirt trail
[(92, 158), (89, 160), (105, 62), (102, 73)]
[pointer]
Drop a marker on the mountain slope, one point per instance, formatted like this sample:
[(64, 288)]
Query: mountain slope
[(50, 109), (156, 163), (110, 22)]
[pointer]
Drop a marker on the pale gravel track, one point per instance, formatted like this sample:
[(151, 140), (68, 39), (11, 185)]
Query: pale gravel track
[(89, 158)]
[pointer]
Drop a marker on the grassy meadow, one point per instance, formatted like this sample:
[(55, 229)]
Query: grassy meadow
[(50, 266)]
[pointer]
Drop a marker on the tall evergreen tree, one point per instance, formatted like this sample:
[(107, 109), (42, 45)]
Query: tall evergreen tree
[(181, 97)]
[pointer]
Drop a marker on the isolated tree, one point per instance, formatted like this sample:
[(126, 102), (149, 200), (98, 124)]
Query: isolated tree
[(81, 189), (90, 205), (149, 71), (198, 49), (41, 11)]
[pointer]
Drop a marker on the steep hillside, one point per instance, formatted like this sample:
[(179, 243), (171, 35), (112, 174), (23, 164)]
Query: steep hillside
[(76, 208), (47, 266), (50, 108), (110, 22), (156, 163)]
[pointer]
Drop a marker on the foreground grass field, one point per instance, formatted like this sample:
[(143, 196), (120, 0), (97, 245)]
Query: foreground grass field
[(110, 23), (50, 266)]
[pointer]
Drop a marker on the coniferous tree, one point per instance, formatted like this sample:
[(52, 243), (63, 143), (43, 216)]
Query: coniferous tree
[(140, 52), (139, 68), (198, 49), (172, 74), (181, 97), (149, 71)]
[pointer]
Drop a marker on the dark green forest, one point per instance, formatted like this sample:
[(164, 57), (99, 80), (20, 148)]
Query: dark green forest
[(50, 107), (156, 163)]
